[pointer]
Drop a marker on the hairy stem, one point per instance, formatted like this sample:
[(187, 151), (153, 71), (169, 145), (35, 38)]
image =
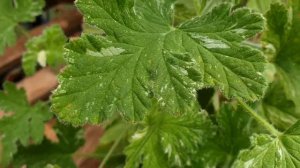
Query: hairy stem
[(112, 149), (259, 119)]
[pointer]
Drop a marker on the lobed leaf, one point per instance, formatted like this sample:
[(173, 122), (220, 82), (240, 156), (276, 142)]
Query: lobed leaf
[(272, 152), (24, 124), (234, 127), (14, 12), (57, 154), (146, 57), (167, 141)]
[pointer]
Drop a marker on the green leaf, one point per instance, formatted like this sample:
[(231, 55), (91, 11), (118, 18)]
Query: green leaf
[(234, 127), (113, 142), (60, 154), (46, 49), (273, 152), (167, 141), (262, 6), (288, 63), (24, 124), (144, 57), (112, 133), (14, 12), (283, 33), (278, 22), (278, 109)]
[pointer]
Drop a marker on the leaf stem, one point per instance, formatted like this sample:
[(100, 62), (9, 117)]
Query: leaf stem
[(112, 149), (259, 119), (23, 31)]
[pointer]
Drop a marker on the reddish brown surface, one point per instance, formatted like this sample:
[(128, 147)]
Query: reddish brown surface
[(40, 85), (92, 136), (70, 23), (49, 132)]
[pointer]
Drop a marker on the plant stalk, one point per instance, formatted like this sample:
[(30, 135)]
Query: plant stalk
[(112, 149), (259, 119)]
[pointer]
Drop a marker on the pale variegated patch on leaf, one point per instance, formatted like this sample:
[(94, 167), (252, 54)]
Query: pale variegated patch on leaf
[(46, 49)]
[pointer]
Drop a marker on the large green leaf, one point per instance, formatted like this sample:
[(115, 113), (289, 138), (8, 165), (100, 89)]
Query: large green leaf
[(144, 57), (24, 124), (46, 49), (37, 156), (273, 152), (167, 141), (14, 12)]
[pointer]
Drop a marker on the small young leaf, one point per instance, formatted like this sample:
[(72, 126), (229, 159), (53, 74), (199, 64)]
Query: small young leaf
[(14, 12), (167, 141), (278, 26), (145, 56), (24, 124), (234, 127), (270, 152), (46, 49)]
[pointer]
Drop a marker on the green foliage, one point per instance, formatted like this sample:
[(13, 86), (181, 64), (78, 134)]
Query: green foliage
[(140, 65), (46, 49), (13, 13), (57, 154), (273, 152), (234, 127), (115, 140), (167, 138), (262, 6), (146, 57), (23, 124), (281, 104)]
